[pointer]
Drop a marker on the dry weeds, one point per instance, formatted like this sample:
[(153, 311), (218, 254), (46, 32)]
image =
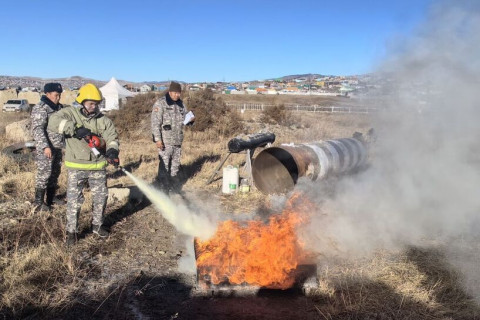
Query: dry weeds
[(39, 278)]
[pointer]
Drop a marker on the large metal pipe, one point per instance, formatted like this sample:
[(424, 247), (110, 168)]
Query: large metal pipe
[(277, 169)]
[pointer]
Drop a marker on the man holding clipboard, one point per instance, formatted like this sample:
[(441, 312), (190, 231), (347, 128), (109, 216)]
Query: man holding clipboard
[(169, 116)]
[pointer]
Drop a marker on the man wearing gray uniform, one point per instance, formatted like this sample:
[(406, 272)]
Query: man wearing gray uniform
[(83, 124), (167, 119), (48, 145)]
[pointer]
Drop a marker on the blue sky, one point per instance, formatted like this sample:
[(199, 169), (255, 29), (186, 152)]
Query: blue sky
[(197, 41)]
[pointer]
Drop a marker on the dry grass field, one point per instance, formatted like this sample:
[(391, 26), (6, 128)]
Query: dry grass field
[(134, 273)]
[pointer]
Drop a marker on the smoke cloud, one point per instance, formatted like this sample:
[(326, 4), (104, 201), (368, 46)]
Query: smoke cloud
[(424, 176)]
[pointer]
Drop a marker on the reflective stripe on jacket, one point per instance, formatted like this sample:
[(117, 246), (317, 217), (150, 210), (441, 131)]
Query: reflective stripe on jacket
[(78, 154)]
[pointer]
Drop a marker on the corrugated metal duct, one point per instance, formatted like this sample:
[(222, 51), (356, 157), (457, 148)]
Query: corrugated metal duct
[(277, 169)]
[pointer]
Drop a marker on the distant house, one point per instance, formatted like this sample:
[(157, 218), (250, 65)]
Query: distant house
[(29, 89), (331, 84), (291, 89), (145, 88), (261, 91), (251, 90), (346, 88), (159, 88), (195, 87), (127, 86)]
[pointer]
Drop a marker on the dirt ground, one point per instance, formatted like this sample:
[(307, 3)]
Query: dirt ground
[(136, 269), (135, 274)]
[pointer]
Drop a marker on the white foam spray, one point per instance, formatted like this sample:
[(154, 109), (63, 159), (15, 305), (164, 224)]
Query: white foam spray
[(201, 223)]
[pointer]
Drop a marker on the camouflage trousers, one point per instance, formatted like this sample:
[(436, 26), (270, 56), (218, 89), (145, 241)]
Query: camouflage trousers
[(169, 161), (168, 165), (77, 179), (48, 170)]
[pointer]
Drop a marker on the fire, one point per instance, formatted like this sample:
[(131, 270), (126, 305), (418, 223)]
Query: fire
[(256, 253)]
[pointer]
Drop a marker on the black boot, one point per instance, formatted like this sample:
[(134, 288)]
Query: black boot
[(71, 239), (50, 194), (163, 177), (38, 203), (50, 197)]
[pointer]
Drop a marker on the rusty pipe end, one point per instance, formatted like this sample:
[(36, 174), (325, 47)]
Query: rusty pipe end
[(275, 171)]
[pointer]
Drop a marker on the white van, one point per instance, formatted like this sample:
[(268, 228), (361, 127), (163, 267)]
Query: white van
[(16, 105)]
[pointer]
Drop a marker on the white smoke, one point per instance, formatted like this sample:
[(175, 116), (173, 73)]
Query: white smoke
[(424, 179)]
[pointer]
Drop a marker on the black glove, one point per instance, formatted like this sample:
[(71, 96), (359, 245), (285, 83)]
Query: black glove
[(112, 157), (82, 132)]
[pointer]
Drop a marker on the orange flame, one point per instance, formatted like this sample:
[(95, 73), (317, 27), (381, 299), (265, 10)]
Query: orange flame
[(257, 253)]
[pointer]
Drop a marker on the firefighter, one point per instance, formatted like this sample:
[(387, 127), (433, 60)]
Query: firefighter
[(48, 145), (168, 115), (79, 123)]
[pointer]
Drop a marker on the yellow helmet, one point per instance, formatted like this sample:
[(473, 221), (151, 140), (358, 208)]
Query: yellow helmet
[(88, 92)]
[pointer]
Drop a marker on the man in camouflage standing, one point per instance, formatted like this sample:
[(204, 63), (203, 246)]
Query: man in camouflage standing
[(168, 115), (79, 123), (48, 146)]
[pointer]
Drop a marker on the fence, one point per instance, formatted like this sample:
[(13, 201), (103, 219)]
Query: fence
[(292, 107)]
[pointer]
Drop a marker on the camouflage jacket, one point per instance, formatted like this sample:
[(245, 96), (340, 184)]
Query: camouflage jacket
[(167, 121), (40, 116), (78, 154)]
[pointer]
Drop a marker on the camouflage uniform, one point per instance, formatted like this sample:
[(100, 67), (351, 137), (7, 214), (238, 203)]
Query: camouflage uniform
[(48, 170), (167, 126), (77, 179), (82, 164)]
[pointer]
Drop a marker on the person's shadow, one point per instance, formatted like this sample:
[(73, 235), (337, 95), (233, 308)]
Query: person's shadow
[(188, 171)]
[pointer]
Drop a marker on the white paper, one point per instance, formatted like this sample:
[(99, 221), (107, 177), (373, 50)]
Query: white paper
[(188, 117)]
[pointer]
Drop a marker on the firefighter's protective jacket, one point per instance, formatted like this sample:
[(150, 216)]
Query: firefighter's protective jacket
[(167, 121), (78, 154)]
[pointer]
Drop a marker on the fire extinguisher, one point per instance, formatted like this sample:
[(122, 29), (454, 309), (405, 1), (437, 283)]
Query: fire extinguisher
[(94, 143)]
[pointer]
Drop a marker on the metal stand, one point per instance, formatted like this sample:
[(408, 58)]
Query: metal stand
[(217, 169), (247, 168)]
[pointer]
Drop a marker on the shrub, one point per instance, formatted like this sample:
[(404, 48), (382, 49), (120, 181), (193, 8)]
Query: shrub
[(136, 109), (277, 114), (212, 114)]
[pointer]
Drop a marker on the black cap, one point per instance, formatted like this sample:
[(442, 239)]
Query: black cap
[(53, 86), (175, 87)]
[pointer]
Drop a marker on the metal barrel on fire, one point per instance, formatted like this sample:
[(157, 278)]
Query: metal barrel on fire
[(277, 169)]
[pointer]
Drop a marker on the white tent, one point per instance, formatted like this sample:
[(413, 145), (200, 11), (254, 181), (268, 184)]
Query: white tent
[(113, 93)]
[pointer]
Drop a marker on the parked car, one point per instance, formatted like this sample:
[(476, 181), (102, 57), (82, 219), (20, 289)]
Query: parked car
[(16, 105)]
